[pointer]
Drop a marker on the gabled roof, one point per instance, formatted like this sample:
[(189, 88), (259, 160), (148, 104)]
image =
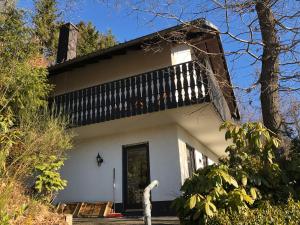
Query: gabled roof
[(122, 47), (191, 30)]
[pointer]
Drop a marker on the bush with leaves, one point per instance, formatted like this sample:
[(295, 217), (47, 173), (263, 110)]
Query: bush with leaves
[(291, 167), (265, 214), (248, 174), (48, 179), (29, 135)]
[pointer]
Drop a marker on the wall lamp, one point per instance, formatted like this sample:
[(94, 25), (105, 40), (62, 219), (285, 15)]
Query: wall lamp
[(99, 160)]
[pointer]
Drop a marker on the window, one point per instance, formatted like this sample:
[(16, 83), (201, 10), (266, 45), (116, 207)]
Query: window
[(190, 159)]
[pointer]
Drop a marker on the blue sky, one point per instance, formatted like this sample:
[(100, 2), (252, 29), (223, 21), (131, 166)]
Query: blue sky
[(125, 27)]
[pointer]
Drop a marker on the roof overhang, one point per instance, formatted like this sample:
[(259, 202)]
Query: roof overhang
[(191, 30)]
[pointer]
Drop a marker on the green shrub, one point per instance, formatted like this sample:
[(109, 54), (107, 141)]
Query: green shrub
[(29, 135), (264, 214), (48, 179), (210, 189), (248, 175)]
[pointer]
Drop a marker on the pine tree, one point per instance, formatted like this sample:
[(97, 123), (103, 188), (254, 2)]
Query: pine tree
[(46, 26), (107, 40), (88, 38), (91, 40)]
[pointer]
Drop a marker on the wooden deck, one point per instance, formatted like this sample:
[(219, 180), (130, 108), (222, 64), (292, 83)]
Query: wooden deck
[(125, 221)]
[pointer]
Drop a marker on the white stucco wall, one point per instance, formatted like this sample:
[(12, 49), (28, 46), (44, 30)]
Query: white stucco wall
[(186, 138), (88, 182)]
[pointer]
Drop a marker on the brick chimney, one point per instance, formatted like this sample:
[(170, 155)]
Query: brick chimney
[(67, 43)]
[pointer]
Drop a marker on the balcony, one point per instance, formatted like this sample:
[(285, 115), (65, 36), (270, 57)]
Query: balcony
[(171, 87)]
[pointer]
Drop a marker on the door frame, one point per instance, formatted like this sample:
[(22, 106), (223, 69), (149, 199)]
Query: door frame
[(125, 148)]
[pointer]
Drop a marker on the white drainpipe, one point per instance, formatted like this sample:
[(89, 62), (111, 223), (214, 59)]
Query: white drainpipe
[(147, 203)]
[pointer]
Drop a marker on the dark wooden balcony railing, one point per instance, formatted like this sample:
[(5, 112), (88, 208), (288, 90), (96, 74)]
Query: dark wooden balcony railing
[(166, 88)]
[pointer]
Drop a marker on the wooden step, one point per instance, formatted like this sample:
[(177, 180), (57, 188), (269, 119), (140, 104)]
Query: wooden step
[(125, 221), (85, 209)]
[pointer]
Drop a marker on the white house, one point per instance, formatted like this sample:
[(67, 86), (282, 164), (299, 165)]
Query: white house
[(149, 114)]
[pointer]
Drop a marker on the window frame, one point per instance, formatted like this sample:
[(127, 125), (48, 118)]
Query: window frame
[(191, 160)]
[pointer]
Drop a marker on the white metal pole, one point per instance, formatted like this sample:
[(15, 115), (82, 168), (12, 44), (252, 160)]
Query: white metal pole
[(147, 202)]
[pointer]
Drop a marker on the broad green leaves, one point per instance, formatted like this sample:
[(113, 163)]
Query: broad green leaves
[(253, 192), (234, 184), (192, 201), (210, 208), (244, 180)]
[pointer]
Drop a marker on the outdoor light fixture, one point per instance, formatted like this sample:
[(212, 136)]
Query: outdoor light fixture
[(99, 159)]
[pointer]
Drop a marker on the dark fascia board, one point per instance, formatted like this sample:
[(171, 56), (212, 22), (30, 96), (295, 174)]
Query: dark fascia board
[(135, 43), (236, 114)]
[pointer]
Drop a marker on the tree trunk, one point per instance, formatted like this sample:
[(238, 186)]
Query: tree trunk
[(269, 77)]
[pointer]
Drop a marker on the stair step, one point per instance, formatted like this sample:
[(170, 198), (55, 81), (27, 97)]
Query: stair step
[(124, 221)]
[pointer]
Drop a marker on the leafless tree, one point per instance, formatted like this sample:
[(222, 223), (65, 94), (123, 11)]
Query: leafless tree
[(265, 33), (291, 116)]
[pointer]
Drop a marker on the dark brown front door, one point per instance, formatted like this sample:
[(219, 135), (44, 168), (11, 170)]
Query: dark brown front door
[(136, 175)]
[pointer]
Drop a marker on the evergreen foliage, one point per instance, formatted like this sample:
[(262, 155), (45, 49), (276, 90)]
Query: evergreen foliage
[(88, 38), (29, 135), (32, 142), (48, 179), (107, 40), (46, 25), (24, 86), (91, 40)]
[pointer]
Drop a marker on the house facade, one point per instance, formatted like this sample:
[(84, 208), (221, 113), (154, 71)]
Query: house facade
[(141, 114)]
